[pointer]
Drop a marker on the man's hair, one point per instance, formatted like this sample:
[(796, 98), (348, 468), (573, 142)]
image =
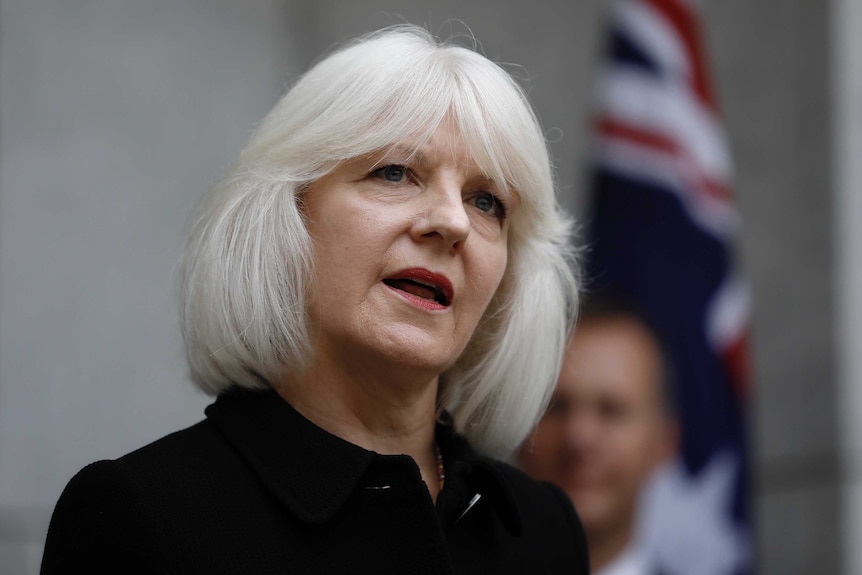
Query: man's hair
[(246, 267), (608, 305)]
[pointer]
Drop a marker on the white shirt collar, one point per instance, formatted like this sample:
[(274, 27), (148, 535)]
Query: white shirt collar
[(632, 561)]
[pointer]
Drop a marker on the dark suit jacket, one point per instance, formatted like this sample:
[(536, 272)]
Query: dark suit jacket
[(256, 488)]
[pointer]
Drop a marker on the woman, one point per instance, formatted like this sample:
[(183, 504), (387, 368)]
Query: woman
[(378, 293)]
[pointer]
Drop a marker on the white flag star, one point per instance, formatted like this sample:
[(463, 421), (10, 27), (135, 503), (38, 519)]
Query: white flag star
[(685, 521)]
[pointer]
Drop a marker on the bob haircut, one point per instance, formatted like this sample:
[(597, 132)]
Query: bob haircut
[(246, 266)]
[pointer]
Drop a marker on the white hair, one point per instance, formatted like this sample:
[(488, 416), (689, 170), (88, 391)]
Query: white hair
[(246, 273)]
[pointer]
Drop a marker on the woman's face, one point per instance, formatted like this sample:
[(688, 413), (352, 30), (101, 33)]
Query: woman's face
[(409, 247)]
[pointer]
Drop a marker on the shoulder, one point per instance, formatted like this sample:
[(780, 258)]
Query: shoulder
[(181, 470), (96, 524), (102, 485), (196, 447), (112, 514)]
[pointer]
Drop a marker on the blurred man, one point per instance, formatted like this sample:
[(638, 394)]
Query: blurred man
[(609, 426)]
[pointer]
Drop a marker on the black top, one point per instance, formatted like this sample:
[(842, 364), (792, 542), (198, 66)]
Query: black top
[(257, 488)]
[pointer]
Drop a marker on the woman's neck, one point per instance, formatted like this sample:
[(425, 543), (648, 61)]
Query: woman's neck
[(387, 415)]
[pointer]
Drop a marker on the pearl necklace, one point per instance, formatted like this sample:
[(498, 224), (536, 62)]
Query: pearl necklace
[(441, 473)]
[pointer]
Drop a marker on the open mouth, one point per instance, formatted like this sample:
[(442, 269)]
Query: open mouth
[(422, 286), (427, 292)]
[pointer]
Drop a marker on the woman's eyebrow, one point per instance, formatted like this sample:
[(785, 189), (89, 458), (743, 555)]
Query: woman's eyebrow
[(417, 156)]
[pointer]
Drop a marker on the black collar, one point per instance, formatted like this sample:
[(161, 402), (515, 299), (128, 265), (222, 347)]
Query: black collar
[(313, 472)]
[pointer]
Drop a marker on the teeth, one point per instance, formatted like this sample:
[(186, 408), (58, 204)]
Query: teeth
[(421, 289)]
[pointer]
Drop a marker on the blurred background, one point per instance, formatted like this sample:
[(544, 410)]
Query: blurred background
[(117, 115)]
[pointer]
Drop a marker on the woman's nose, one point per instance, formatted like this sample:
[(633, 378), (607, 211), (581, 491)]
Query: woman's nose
[(445, 216)]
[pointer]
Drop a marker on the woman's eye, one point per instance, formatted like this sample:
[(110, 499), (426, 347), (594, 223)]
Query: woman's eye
[(490, 204), (485, 203), (392, 173)]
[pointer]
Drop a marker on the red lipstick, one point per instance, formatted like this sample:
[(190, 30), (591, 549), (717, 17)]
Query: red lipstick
[(422, 287)]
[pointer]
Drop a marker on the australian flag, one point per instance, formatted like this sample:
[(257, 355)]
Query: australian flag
[(662, 231)]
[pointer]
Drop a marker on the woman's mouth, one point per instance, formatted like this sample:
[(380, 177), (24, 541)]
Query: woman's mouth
[(426, 288)]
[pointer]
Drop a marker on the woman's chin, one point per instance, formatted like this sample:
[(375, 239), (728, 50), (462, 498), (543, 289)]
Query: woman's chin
[(412, 352), (411, 361)]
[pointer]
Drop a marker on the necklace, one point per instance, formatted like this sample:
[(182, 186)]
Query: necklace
[(441, 473)]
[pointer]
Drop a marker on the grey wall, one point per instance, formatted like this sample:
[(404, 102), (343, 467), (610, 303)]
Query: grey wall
[(772, 61), (116, 115)]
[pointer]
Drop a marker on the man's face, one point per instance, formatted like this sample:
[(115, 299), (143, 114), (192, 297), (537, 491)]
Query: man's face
[(606, 429)]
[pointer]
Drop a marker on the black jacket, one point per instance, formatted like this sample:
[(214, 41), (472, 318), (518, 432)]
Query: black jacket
[(256, 488)]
